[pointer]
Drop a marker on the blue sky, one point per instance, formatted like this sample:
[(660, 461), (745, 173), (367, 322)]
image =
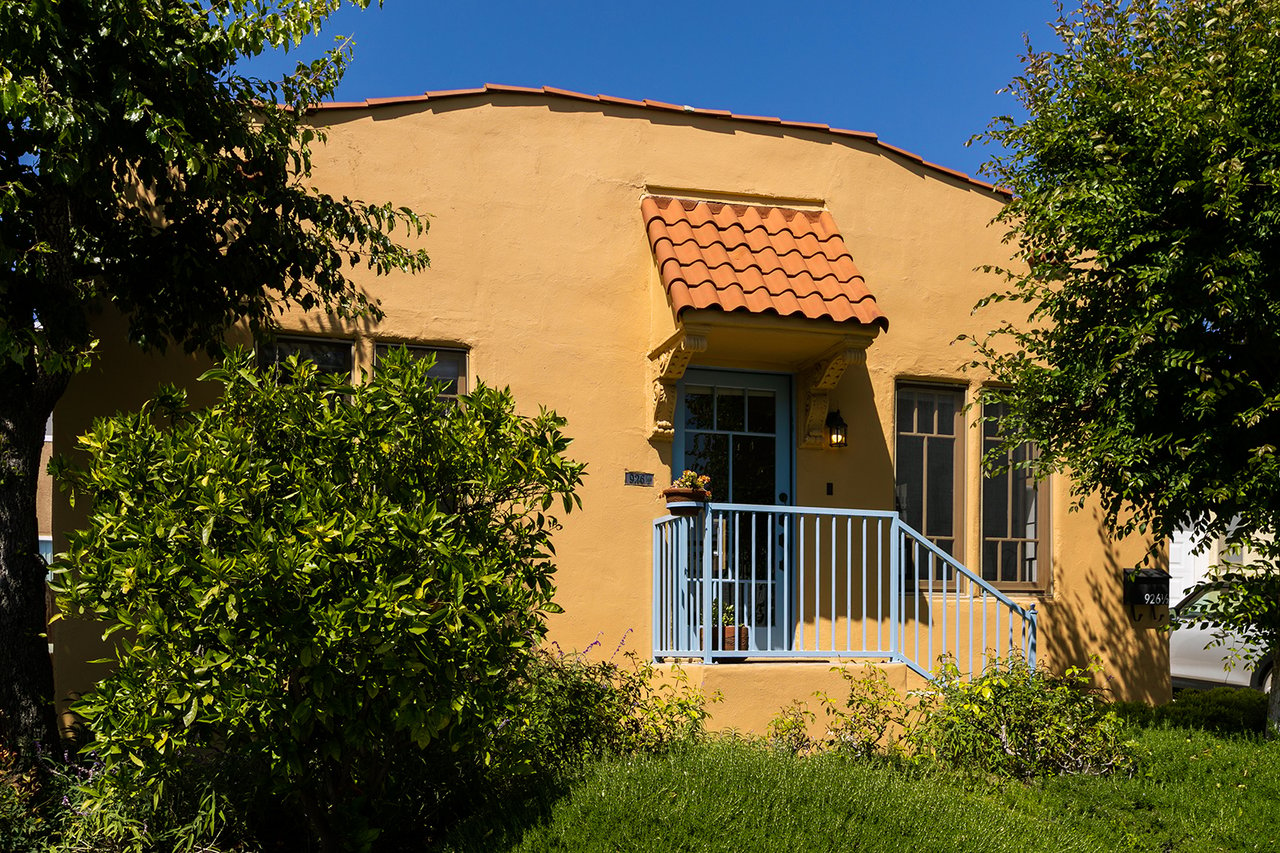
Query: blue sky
[(923, 75)]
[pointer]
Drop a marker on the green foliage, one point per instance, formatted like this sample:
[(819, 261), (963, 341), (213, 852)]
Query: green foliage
[(308, 582), (722, 613), (1193, 792), (140, 170), (1222, 710), (875, 719), (572, 709), (1245, 610), (788, 731), (1010, 720), (692, 480), (1146, 192), (665, 710), (1023, 723), (154, 178), (1198, 793), (1146, 196), (28, 820)]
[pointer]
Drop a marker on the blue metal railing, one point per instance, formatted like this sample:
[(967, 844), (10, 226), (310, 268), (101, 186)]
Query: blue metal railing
[(780, 582)]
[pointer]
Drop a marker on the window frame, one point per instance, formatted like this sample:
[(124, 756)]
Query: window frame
[(1043, 523), (959, 455), (463, 380), (263, 363)]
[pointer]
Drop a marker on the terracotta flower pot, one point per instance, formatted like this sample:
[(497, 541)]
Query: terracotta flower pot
[(685, 501), (730, 638)]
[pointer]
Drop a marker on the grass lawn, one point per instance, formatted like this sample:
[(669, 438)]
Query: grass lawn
[(1195, 792)]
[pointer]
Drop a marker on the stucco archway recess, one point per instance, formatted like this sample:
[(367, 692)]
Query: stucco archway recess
[(762, 287)]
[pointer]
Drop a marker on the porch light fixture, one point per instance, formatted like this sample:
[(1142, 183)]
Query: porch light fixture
[(837, 430)]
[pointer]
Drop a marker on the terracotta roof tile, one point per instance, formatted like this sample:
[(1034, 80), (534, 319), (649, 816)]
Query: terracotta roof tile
[(763, 259)]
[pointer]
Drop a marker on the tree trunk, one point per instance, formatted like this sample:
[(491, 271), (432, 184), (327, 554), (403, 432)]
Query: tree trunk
[(48, 333), (26, 672)]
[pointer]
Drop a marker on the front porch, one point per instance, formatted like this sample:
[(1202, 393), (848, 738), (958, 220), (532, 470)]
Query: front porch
[(784, 583)]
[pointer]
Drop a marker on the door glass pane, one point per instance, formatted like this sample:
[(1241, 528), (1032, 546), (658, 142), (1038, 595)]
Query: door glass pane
[(698, 409), (736, 433), (698, 413), (754, 467), (762, 409), (730, 409), (708, 453)]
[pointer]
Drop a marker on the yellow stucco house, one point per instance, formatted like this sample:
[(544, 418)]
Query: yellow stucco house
[(772, 303)]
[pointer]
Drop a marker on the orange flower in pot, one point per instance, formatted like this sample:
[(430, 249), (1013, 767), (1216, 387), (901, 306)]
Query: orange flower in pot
[(688, 493)]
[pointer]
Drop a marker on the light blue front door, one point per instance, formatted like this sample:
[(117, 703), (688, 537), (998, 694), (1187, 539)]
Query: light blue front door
[(736, 427)]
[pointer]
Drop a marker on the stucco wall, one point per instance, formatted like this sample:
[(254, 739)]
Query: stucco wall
[(542, 269)]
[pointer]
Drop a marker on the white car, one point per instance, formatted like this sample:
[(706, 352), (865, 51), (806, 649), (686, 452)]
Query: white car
[(1194, 661)]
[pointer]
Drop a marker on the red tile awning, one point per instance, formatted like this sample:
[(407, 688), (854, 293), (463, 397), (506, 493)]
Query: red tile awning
[(757, 259)]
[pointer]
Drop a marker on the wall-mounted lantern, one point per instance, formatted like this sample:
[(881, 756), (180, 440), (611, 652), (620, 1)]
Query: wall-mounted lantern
[(837, 430)]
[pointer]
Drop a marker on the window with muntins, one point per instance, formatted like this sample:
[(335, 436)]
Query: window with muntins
[(1015, 514), (929, 484)]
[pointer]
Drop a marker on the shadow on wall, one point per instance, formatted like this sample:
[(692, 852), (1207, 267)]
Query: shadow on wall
[(1092, 619)]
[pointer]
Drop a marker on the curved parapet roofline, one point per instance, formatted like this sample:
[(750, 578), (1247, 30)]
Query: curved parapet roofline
[(551, 91)]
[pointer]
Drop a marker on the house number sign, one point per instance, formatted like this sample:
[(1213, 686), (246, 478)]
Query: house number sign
[(636, 478), (1146, 586)]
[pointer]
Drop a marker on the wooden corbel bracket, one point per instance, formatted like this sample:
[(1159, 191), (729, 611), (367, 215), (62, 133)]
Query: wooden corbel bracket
[(667, 365), (816, 384)]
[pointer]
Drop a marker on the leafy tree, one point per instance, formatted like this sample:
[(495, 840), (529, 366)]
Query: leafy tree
[(139, 169), (1146, 209), (312, 581)]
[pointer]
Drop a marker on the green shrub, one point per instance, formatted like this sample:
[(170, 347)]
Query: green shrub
[(1009, 721), (1019, 722), (27, 821), (567, 712), (320, 586), (573, 708), (38, 799), (874, 718), (1225, 710), (788, 731)]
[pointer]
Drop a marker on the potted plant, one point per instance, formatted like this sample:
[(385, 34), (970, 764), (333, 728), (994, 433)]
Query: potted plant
[(688, 493), (729, 635)]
